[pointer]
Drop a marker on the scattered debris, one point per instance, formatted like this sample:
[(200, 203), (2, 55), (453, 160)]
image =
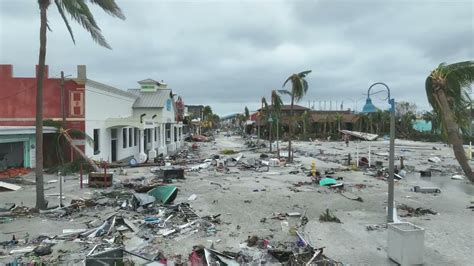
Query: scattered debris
[(425, 173), (434, 159), (327, 181), (361, 135), (426, 189), (228, 152), (376, 227), (14, 172), (4, 186), (165, 194), (328, 216), (410, 211), (351, 197)]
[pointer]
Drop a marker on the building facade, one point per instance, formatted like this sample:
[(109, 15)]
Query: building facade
[(18, 111), (138, 123)]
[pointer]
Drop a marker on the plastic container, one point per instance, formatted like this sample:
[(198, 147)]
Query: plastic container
[(405, 243)]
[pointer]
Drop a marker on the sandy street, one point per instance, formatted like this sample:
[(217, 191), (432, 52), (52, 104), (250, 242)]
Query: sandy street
[(247, 200)]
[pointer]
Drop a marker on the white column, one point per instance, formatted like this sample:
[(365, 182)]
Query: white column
[(162, 139), (142, 156), (158, 137), (152, 151), (180, 137), (163, 131)]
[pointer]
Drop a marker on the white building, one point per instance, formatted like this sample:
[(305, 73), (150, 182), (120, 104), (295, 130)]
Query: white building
[(139, 123)]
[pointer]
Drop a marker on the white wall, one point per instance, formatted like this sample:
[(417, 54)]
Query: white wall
[(99, 106), (123, 153)]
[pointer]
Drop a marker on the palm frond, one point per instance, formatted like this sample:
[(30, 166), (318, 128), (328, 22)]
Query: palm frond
[(79, 11), (304, 73), (453, 79), (110, 7), (66, 21), (304, 83), (286, 92), (276, 101), (286, 81)]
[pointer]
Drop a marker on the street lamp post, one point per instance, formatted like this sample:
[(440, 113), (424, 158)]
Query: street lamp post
[(270, 121), (370, 108)]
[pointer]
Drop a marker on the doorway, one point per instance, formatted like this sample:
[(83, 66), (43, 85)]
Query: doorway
[(113, 144), (11, 155)]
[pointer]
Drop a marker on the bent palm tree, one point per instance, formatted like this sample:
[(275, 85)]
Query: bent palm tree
[(79, 11), (447, 94), (299, 87)]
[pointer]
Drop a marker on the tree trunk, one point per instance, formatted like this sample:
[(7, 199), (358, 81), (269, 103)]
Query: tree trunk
[(290, 155), (40, 200), (70, 141), (454, 137)]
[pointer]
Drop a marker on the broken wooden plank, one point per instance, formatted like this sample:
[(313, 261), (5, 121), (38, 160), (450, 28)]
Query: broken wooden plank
[(8, 186)]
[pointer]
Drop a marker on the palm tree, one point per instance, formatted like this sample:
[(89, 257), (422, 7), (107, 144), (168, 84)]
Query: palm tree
[(434, 119), (276, 108), (447, 94), (299, 87), (338, 118), (305, 120), (385, 123), (377, 118), (248, 129), (206, 113), (79, 11)]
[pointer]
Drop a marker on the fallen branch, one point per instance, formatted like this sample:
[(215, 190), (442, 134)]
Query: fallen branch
[(351, 198)]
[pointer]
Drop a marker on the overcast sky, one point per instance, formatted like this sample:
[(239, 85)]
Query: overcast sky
[(228, 54)]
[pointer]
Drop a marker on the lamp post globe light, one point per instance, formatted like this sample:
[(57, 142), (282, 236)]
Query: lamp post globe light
[(369, 107)]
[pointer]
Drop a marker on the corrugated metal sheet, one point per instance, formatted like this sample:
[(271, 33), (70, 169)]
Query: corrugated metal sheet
[(150, 99)]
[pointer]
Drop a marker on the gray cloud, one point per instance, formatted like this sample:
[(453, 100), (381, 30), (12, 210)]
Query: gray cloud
[(229, 54)]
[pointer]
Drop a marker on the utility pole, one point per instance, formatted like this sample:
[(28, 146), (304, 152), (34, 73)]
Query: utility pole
[(63, 125), (63, 103)]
